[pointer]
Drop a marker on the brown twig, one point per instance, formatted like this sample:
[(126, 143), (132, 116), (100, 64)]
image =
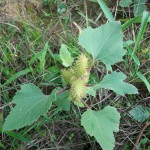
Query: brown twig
[(77, 26), (140, 135)]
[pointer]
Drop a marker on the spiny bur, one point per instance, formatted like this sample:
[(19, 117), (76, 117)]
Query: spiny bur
[(77, 77), (81, 65), (77, 90), (67, 75)]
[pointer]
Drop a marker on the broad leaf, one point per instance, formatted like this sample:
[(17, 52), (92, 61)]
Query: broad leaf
[(91, 91), (31, 103), (63, 101), (65, 56), (104, 43), (101, 125), (125, 3), (140, 113), (115, 82)]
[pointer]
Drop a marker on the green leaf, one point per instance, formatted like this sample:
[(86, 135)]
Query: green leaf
[(101, 124), (31, 103), (139, 7), (130, 51), (65, 56), (39, 54), (104, 43), (143, 78), (17, 75), (139, 113), (63, 101), (143, 26), (91, 91), (125, 3), (129, 22), (106, 10), (19, 137), (52, 75), (79, 104), (114, 82)]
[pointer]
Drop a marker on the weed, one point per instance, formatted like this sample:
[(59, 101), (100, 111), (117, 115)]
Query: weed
[(30, 54)]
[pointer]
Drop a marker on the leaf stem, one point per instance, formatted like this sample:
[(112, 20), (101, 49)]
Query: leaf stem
[(62, 90)]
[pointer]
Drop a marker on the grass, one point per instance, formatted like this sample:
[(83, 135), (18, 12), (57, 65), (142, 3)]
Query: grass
[(29, 53)]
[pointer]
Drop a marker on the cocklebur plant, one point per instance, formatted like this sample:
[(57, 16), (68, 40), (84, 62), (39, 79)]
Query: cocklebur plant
[(104, 44)]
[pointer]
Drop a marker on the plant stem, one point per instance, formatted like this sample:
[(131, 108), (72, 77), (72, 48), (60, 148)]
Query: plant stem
[(90, 68), (62, 90)]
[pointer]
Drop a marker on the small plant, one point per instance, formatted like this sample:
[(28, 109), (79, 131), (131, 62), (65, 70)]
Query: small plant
[(140, 113), (103, 46)]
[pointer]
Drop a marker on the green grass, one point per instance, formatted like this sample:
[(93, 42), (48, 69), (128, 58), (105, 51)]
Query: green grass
[(29, 53)]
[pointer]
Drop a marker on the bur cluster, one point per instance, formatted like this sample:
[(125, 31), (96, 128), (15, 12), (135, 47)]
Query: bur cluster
[(77, 77)]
